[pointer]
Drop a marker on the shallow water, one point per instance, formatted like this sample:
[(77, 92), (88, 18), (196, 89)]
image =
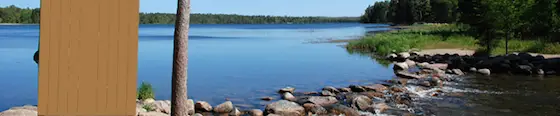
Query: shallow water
[(240, 62)]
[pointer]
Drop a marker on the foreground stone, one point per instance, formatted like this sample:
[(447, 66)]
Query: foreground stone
[(285, 108), (255, 112), (203, 106), (318, 100), (26, 110), (225, 107)]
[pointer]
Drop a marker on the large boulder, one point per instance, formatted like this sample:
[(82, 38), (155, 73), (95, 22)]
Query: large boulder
[(20, 111), (288, 96), (285, 108), (400, 66), (318, 100), (314, 109), (361, 102), (255, 112), (161, 106)]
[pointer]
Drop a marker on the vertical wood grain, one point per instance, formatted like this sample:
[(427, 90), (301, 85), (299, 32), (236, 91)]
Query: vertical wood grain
[(54, 56), (64, 40), (103, 57), (44, 41), (133, 23)]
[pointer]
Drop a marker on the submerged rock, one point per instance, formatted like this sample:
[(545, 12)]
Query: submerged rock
[(267, 98), (285, 108)]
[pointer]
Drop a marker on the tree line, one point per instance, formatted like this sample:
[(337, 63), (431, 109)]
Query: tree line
[(13, 14), (488, 20)]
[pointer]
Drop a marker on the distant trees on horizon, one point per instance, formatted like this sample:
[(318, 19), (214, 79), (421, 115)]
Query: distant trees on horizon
[(13, 14)]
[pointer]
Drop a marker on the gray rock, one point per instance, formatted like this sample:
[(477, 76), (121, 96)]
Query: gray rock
[(287, 89), (400, 66), (331, 89), (327, 93), (198, 114), (457, 72), (255, 112), (315, 109), (203, 106), (288, 96), (160, 106), (318, 100), (225, 107), (361, 102), (484, 71), (152, 114), (285, 108), (392, 56)]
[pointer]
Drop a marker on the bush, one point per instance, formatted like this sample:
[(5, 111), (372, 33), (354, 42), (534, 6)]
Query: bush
[(145, 91)]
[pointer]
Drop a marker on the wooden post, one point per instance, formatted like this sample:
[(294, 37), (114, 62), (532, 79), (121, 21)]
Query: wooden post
[(88, 58)]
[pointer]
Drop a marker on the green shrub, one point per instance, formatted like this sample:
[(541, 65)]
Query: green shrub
[(145, 91), (148, 107)]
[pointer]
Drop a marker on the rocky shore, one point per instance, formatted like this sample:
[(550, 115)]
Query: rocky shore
[(417, 76)]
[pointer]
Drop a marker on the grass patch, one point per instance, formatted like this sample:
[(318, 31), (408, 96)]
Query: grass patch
[(418, 36), (145, 91), (442, 36), (149, 107)]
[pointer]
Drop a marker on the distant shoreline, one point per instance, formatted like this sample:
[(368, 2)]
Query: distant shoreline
[(17, 24)]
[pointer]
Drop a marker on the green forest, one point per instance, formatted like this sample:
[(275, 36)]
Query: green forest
[(13, 14), (489, 21)]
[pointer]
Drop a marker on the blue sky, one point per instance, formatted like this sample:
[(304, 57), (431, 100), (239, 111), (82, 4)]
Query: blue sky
[(246, 7)]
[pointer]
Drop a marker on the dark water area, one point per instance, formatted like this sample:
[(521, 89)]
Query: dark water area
[(246, 62)]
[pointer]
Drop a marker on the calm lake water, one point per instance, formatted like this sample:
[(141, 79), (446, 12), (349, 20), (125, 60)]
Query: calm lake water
[(240, 62)]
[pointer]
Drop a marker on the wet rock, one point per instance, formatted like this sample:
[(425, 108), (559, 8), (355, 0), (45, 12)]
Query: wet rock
[(357, 88), (318, 100), (287, 89), (345, 89), (314, 109), (361, 102), (235, 112), (376, 87), (267, 98), (331, 89), (327, 93), (152, 114), (457, 72), (203, 106), (372, 94), (285, 108), (484, 71), (255, 112), (341, 109), (288, 96), (225, 107)]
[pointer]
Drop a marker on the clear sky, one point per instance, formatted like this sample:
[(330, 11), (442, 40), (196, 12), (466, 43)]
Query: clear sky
[(246, 7)]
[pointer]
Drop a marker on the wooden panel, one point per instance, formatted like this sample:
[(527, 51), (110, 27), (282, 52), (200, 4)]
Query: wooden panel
[(89, 52)]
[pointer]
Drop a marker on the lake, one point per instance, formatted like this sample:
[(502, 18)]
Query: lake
[(239, 62)]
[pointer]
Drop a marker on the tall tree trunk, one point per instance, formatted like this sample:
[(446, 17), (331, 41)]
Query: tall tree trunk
[(180, 58)]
